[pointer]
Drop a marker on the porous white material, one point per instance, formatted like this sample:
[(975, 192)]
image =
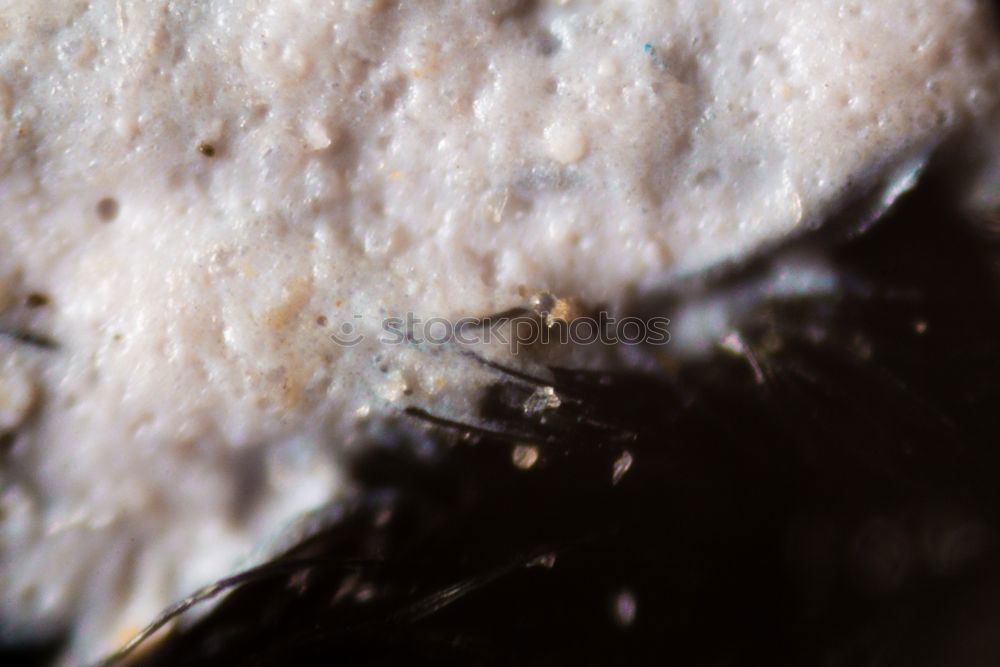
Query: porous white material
[(204, 191)]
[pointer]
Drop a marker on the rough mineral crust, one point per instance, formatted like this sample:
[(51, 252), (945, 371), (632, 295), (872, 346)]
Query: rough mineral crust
[(196, 195)]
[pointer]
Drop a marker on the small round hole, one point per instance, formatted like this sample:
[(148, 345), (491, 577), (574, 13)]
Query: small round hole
[(206, 149), (548, 44), (107, 209)]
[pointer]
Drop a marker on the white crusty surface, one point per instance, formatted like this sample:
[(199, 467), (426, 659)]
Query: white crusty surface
[(196, 187)]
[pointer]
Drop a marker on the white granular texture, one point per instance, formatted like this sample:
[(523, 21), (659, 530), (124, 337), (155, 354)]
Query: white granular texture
[(198, 194)]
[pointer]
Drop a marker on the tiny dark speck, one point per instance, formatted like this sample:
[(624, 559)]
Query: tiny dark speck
[(321, 320), (206, 149), (36, 300), (107, 209)]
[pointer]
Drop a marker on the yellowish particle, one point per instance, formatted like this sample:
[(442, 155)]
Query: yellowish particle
[(525, 456), (296, 295)]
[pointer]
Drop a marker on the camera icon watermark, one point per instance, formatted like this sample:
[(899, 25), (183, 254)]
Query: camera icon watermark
[(348, 333)]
